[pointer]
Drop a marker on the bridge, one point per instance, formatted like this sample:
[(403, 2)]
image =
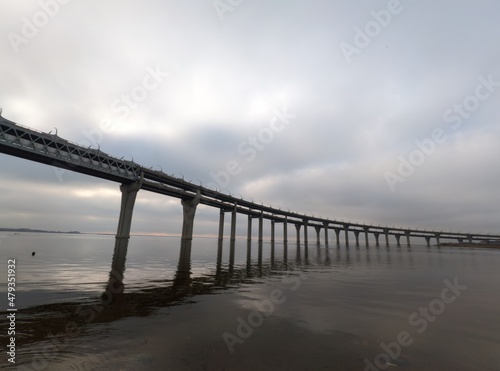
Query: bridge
[(48, 148)]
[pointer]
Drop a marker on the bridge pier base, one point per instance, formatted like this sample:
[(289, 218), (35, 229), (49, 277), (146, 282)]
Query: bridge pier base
[(182, 277), (189, 210), (326, 233), (305, 232), (297, 227), (408, 238), (233, 224), (129, 194), (437, 238), (337, 235), (285, 230), (376, 238), (221, 225), (398, 237), (356, 235), (318, 230), (261, 221), (428, 240), (249, 229)]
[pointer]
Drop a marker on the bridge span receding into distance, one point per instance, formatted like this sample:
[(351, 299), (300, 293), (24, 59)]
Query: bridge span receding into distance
[(48, 148)]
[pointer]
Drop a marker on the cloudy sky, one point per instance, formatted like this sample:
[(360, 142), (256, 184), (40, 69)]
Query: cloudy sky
[(384, 112)]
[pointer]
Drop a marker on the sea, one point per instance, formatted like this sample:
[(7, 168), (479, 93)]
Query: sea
[(82, 302)]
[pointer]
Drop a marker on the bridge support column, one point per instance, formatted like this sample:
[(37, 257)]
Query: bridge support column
[(376, 238), (428, 240), (356, 234), (261, 221), (182, 278), (366, 229), (460, 240), (129, 194), (249, 229), (305, 232), (398, 237), (285, 230), (469, 237), (221, 225), (233, 224), (386, 232), (337, 235), (189, 210), (346, 229), (318, 230), (407, 238), (272, 230), (326, 233), (297, 227), (438, 235)]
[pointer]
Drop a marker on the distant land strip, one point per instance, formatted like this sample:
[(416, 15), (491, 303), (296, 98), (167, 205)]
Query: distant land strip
[(33, 230)]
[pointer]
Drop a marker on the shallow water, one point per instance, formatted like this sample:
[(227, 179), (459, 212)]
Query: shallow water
[(292, 308)]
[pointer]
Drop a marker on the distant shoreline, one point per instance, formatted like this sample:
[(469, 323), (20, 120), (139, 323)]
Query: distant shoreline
[(29, 230)]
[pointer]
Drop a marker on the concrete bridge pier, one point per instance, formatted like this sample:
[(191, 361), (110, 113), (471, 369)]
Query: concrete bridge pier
[(219, 258), (249, 229), (189, 210), (318, 230), (460, 240), (261, 221), (398, 237), (356, 234), (438, 235), (337, 235), (182, 278), (305, 232), (346, 230), (376, 234), (408, 238), (129, 194), (469, 237), (386, 232), (221, 225), (285, 231), (272, 231), (233, 224), (428, 240), (366, 236), (326, 233), (297, 227)]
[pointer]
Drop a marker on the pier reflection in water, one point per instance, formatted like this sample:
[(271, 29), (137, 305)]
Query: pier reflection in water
[(160, 306)]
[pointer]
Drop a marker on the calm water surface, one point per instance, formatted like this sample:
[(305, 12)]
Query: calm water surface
[(205, 307)]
